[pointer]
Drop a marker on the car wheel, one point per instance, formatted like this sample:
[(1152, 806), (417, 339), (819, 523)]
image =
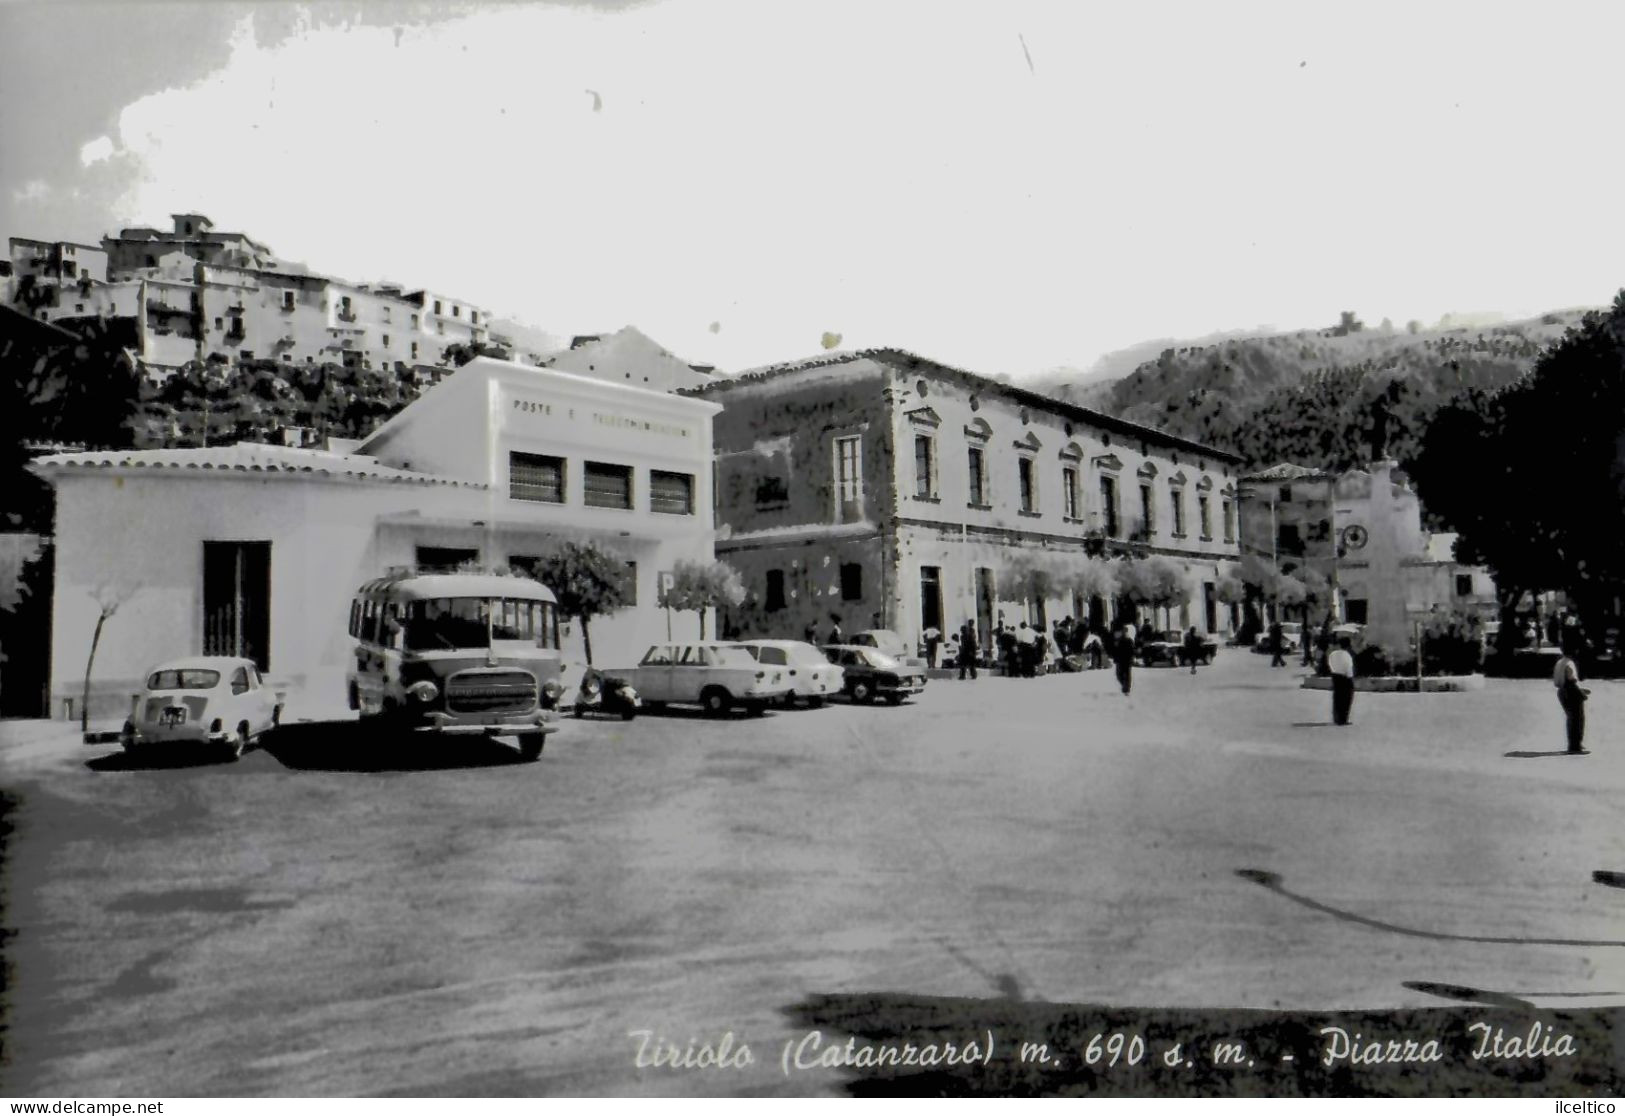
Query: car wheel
[(815, 702), (862, 692), (716, 701), (530, 746), (895, 699), (654, 706), (579, 711), (755, 708), (628, 713)]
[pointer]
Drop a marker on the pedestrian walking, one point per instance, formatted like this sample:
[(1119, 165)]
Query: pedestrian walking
[(1341, 665), (1193, 647), (1123, 655), (967, 649), (1277, 642), (1572, 697), (810, 635), (932, 637), (835, 633)]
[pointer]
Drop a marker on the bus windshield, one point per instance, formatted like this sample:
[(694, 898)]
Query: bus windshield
[(469, 623)]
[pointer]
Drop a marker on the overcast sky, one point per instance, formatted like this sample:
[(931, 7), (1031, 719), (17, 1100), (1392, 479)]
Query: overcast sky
[(1009, 187)]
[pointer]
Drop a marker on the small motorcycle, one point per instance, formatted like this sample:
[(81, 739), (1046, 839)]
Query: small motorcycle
[(601, 693)]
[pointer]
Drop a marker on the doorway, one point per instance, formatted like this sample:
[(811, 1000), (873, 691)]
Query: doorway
[(237, 600)]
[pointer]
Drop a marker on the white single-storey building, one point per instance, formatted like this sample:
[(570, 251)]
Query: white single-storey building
[(256, 549)]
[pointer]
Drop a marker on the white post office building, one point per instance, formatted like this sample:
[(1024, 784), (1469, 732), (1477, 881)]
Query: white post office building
[(256, 549)]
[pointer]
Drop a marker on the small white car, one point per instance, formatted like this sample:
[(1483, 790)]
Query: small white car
[(717, 676), (215, 701), (888, 643), (811, 675)]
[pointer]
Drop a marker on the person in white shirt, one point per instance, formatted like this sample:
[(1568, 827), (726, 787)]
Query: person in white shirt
[(1572, 697), (1340, 663)]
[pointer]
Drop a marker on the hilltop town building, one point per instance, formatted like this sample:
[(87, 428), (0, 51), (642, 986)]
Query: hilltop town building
[(890, 491), (1362, 531), (256, 549), (192, 294)]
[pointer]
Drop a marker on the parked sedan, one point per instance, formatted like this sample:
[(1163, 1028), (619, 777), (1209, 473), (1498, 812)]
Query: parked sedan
[(1291, 638), (1161, 648), (716, 676), (812, 676), (870, 673), (216, 702), (887, 643)]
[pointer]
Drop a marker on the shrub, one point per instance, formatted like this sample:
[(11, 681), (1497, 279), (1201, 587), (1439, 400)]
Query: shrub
[(1452, 643)]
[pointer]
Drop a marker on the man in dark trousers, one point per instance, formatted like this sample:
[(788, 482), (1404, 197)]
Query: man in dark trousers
[(1193, 647), (967, 649), (1340, 664), (1123, 656), (1277, 640), (1572, 696)]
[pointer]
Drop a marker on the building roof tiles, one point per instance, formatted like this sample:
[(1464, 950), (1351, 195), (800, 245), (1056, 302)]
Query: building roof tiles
[(246, 457)]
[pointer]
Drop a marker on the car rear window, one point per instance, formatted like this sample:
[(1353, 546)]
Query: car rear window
[(183, 680)]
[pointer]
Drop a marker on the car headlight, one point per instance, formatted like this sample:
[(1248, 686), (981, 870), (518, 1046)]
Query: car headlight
[(424, 691), (591, 687), (629, 693)]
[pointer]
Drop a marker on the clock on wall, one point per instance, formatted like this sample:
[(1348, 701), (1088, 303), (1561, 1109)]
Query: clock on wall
[(1355, 536)]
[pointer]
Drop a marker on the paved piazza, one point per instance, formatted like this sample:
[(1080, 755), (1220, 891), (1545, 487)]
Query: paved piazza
[(334, 916)]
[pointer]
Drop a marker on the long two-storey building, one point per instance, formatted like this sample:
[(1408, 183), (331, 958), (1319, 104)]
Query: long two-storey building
[(881, 489)]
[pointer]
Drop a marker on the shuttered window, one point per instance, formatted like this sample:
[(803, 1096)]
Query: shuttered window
[(607, 486), (533, 477), (671, 493)]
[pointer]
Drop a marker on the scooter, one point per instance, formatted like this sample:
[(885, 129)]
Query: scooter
[(601, 693)]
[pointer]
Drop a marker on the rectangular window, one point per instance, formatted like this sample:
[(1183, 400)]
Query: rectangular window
[(848, 480), (534, 477), (925, 466), (1229, 522), (287, 300), (445, 559), (1288, 540), (671, 493), (1069, 491), (631, 584), (1178, 498), (414, 350), (1355, 610), (774, 600), (607, 486), (1205, 514), (437, 306), (1108, 505), (386, 340), (1029, 485), (1464, 585), (1286, 494), (416, 321), (978, 477), (851, 581), (1148, 509)]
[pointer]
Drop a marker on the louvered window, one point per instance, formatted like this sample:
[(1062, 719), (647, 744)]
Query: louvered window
[(534, 477), (671, 493), (607, 486)]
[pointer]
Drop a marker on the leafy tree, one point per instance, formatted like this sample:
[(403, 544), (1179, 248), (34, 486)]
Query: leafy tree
[(698, 586), (1155, 582), (1533, 475), (1027, 577), (588, 581)]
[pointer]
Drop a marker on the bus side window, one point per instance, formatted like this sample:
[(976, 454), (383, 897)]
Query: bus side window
[(355, 617)]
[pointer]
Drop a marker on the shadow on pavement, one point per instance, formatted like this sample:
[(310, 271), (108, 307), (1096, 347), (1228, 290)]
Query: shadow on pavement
[(897, 1044), (1270, 881), (1609, 879), (349, 746), (1535, 755), (1313, 724), (156, 757)]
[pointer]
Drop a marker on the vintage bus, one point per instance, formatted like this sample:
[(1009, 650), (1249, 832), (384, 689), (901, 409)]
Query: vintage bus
[(458, 653)]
